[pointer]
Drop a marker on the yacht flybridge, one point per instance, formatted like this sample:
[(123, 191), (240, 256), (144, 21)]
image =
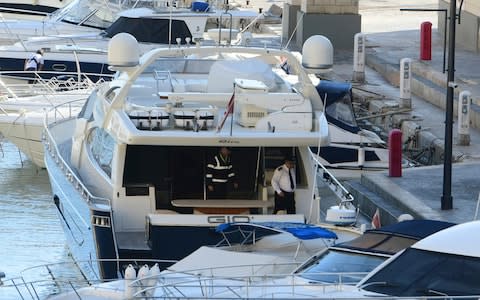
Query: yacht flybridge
[(128, 173)]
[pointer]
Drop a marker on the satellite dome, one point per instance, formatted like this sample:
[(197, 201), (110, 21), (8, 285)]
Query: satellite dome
[(317, 54), (123, 51)]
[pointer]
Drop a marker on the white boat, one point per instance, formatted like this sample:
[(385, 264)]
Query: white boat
[(216, 273), (284, 250), (79, 16), (128, 172), (87, 52), (28, 9), (352, 149), (23, 108), (440, 266)]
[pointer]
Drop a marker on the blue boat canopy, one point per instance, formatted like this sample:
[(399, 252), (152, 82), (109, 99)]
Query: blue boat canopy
[(337, 98), (299, 230)]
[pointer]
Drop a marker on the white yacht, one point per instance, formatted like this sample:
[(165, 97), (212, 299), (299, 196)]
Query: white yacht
[(86, 52), (78, 16), (23, 108), (128, 172), (219, 273), (442, 265), (29, 9)]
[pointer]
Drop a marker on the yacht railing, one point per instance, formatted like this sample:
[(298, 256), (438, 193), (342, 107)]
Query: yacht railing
[(62, 113), (57, 81), (62, 277), (334, 184), (55, 278)]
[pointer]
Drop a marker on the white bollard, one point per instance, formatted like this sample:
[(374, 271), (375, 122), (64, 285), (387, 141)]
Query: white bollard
[(130, 276), (464, 102), (359, 58), (361, 156), (405, 83)]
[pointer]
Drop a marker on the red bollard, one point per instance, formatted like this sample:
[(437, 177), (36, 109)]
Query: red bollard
[(395, 153), (426, 41)]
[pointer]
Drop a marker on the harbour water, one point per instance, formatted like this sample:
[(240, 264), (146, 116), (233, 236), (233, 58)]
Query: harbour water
[(30, 232)]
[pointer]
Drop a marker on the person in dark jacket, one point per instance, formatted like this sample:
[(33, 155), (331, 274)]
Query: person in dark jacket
[(221, 175)]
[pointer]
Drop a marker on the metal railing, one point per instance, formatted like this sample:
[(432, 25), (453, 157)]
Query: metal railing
[(16, 84), (196, 283), (336, 186), (58, 114)]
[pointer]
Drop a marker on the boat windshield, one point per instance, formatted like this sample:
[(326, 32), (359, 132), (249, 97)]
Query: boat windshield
[(179, 65), (427, 273), (334, 266), (96, 14), (342, 111)]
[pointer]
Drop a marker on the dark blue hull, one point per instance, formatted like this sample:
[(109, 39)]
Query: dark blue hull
[(26, 9), (61, 69)]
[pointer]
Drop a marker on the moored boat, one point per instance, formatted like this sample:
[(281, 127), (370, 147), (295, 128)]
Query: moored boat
[(128, 173)]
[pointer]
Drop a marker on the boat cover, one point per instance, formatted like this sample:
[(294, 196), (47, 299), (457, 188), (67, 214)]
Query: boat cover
[(393, 238), (332, 93), (299, 230), (150, 30)]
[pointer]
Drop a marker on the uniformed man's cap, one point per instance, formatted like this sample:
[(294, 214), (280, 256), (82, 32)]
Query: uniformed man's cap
[(289, 158)]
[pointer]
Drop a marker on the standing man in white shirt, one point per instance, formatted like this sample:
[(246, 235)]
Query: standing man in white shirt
[(34, 63), (283, 182)]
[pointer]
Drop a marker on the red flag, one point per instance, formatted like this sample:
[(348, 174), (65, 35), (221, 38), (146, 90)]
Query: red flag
[(376, 220), (228, 110)]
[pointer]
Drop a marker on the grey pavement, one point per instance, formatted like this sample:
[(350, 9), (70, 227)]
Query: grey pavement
[(419, 190)]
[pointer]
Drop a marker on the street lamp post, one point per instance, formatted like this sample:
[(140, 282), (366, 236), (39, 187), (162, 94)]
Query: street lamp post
[(447, 162)]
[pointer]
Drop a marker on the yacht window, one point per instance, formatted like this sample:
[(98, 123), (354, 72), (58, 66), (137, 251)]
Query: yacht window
[(427, 273), (342, 111), (101, 146), (340, 264), (151, 30), (83, 13)]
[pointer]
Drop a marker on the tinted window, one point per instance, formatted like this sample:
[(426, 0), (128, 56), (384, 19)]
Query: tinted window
[(424, 273), (337, 262)]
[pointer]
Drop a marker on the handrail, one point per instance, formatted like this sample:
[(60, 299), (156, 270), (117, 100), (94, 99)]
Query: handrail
[(344, 195), (52, 148), (72, 81), (174, 285)]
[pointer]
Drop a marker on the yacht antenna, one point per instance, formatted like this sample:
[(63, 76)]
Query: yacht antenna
[(170, 25)]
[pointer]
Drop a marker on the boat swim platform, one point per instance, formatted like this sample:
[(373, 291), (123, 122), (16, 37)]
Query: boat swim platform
[(418, 192)]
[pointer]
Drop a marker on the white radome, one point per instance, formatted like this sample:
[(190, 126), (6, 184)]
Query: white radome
[(123, 51), (317, 54)]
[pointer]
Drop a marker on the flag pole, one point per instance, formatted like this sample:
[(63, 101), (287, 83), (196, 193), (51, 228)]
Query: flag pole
[(233, 108)]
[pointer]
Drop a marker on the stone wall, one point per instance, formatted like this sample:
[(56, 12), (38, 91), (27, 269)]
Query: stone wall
[(330, 6), (468, 31), (338, 20)]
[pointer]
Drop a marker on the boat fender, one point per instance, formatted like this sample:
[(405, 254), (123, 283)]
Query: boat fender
[(130, 276), (142, 277), (153, 278)]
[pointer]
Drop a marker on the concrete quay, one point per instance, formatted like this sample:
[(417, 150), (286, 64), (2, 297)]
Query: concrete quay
[(418, 192)]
